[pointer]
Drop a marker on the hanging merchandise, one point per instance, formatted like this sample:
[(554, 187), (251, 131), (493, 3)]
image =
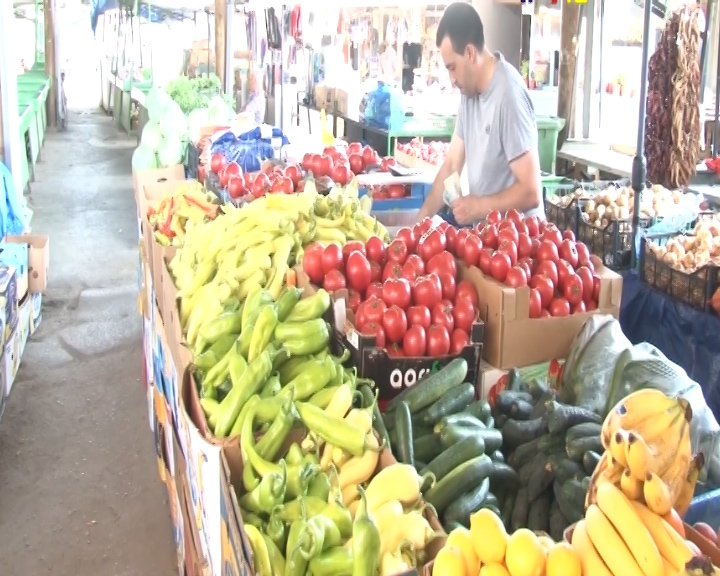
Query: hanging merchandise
[(296, 24), (673, 102)]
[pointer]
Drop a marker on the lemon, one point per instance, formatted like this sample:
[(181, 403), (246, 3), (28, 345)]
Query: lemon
[(562, 560), (488, 536), (493, 570), (525, 555), (546, 542), (460, 539), (449, 562)]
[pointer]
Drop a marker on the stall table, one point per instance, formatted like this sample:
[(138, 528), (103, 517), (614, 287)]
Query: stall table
[(39, 83), (27, 121), (596, 155)]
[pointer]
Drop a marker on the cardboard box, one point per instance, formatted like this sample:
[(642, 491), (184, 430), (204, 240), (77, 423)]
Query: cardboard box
[(324, 97), (513, 339), (38, 259), (11, 357), (341, 100), (35, 312), (8, 301), (16, 255), (176, 497), (24, 320), (159, 175), (490, 376), (237, 556), (161, 429), (195, 563)]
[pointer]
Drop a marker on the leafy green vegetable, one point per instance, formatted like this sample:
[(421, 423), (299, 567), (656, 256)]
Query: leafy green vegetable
[(194, 93)]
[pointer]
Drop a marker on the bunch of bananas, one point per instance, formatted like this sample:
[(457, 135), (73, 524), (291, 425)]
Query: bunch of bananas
[(647, 469)]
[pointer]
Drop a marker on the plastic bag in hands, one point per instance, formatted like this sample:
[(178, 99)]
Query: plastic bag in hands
[(684, 213), (383, 104)]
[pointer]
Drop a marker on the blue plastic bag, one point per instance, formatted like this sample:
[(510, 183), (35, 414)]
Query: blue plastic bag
[(685, 213), (12, 220), (382, 105)]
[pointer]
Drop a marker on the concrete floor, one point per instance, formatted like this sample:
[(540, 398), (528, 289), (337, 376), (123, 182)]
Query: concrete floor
[(79, 488)]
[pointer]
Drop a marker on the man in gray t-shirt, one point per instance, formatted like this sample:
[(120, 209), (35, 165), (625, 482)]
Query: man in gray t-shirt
[(495, 132)]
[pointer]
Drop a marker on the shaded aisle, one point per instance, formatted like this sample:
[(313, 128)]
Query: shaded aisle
[(79, 488)]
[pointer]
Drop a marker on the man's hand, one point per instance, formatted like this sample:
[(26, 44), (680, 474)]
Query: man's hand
[(467, 209)]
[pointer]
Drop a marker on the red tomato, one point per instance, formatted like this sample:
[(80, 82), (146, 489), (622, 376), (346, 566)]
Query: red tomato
[(332, 258), (451, 237), (573, 289), (356, 163), (387, 163), (447, 283), (532, 225), (549, 269), (373, 309), (521, 228), (524, 246), (375, 289), (552, 234), (586, 276), (358, 270), (376, 250), (443, 314), (472, 248), (201, 173), (236, 187), (568, 235), (494, 217), (514, 215), (508, 233), (232, 169), (438, 341), (535, 303), (375, 272), (313, 266), (535, 245), (359, 321), (464, 314), (416, 262), (260, 185), (408, 236), (427, 291), (330, 150), (293, 172), (596, 288), (341, 174), (396, 191), (559, 307), (419, 315), (422, 227), (465, 290), (462, 236), (394, 323), (431, 243), (583, 253), (489, 236), (352, 246), (568, 252), (392, 270), (354, 148), (307, 161), (409, 272), (442, 263), (484, 260), (564, 269), (516, 277), (547, 251), (590, 306), (415, 341), (334, 280), (326, 165), (458, 340), (499, 266), (526, 265), (354, 300), (544, 313), (545, 287), (397, 251), (397, 292), (395, 350), (369, 155), (217, 162), (510, 248), (579, 308)]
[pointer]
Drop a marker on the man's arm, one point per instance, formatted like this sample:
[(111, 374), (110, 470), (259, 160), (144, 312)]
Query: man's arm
[(525, 194), (454, 162)]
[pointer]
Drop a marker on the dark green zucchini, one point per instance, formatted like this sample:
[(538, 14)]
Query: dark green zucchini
[(468, 503), (557, 523), (563, 416), (540, 408), (517, 432), (523, 453), (461, 480), (500, 420), (432, 387), (577, 448), (527, 470), (507, 510), (539, 514), (450, 435), (503, 476), (497, 456), (464, 450), (549, 443), (570, 497), (520, 410), (453, 401), (566, 469), (460, 419), (540, 480), (520, 512), (450, 526), (505, 399), (590, 461), (480, 409), (514, 380), (537, 389), (426, 448), (403, 427), (491, 501), (418, 432), (583, 430)]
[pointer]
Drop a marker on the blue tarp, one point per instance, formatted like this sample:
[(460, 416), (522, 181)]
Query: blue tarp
[(146, 11), (11, 212)]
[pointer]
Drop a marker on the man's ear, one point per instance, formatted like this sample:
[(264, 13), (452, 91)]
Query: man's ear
[(471, 53)]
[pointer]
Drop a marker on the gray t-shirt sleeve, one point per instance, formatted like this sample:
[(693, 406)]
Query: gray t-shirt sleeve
[(518, 127), (460, 121)]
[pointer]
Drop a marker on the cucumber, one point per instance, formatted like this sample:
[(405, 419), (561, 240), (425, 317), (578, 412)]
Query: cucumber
[(450, 526), (590, 461), (403, 427), (418, 432), (503, 477), (426, 448), (507, 510), (514, 380), (458, 420), (491, 501), (540, 408), (517, 432), (462, 479), (583, 430), (480, 409), (431, 388), (550, 443), (526, 472), (523, 453), (520, 511), (537, 389), (540, 480), (378, 423), (452, 402), (505, 399), (450, 435), (577, 448), (570, 497), (563, 416), (498, 456), (500, 421), (520, 410), (460, 509), (466, 449), (489, 422), (566, 469), (557, 523), (539, 514)]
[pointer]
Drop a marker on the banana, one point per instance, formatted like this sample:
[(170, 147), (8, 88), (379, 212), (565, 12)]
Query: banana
[(640, 459), (635, 409), (609, 544), (657, 495), (667, 488), (617, 447), (670, 570), (668, 423), (631, 487), (592, 564), (682, 502), (608, 470), (674, 443), (670, 545), (617, 508)]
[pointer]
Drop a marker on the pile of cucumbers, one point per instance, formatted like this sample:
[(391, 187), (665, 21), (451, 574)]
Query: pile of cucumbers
[(554, 448), (438, 427)]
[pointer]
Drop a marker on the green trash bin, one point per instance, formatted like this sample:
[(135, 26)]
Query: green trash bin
[(548, 129)]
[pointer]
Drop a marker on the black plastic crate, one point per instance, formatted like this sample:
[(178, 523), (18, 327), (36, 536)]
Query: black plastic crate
[(692, 288), (564, 216)]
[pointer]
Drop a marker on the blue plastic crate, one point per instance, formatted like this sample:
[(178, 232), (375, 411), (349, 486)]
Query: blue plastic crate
[(418, 192), (705, 508)]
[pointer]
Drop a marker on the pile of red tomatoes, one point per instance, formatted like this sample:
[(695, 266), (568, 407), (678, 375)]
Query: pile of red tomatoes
[(340, 163), (272, 179)]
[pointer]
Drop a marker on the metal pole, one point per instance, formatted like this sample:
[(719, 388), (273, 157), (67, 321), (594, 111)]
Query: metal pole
[(229, 50), (589, 10), (712, 7), (282, 82), (639, 167), (716, 128)]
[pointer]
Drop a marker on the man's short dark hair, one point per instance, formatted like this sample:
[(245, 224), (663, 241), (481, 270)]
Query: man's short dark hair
[(462, 25)]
